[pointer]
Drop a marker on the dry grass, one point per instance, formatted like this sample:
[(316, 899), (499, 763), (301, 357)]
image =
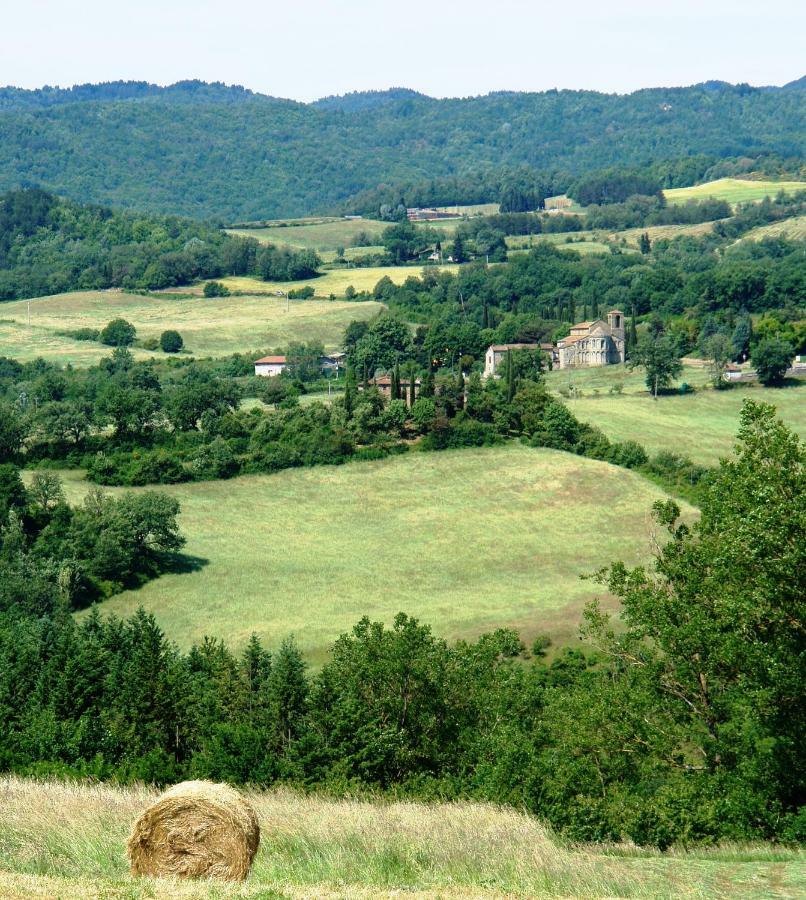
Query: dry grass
[(793, 228), (68, 839), (210, 327)]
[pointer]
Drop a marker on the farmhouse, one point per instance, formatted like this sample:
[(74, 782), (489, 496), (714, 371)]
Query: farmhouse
[(596, 343), (494, 358), (268, 366), (384, 385)]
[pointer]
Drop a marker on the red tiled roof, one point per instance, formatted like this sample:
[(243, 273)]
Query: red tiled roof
[(387, 380), (275, 360), (501, 348)]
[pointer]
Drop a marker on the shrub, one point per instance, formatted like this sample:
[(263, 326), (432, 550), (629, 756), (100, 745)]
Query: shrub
[(215, 289), (171, 341), (303, 293), (629, 454), (118, 333), (83, 334)]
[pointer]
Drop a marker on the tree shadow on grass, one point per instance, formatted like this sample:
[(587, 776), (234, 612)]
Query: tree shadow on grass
[(182, 564)]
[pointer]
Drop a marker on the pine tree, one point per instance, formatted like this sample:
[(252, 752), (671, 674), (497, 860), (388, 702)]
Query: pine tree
[(644, 243), (288, 693), (460, 391)]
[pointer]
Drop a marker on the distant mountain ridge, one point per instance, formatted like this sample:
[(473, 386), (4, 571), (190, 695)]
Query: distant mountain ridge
[(224, 152)]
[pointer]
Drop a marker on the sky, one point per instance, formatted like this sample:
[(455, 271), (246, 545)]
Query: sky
[(303, 49)]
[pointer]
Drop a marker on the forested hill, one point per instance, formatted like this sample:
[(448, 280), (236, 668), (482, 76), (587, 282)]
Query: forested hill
[(215, 151)]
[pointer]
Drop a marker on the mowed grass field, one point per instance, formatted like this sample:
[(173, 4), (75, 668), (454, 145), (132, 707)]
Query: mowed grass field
[(467, 541), (793, 228), (67, 840), (319, 235), (332, 281), (733, 190), (701, 426), (602, 379), (209, 327)]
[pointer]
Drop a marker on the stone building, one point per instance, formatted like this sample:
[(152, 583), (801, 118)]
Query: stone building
[(596, 343), (494, 359)]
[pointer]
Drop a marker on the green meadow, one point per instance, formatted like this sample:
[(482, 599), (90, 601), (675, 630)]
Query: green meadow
[(331, 281), (733, 190), (467, 541), (209, 327), (328, 234), (701, 426)]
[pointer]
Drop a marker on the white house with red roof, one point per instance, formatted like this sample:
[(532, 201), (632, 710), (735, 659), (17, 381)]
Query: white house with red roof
[(269, 366)]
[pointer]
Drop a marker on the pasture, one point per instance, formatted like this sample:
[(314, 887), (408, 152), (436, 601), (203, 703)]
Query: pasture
[(609, 379), (67, 839), (319, 235), (733, 190), (794, 229), (210, 327), (701, 426), (332, 281), (467, 541), (585, 243)]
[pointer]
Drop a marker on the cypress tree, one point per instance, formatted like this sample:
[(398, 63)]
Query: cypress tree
[(396, 382), (460, 390), (510, 377), (350, 392), (632, 334), (427, 389)]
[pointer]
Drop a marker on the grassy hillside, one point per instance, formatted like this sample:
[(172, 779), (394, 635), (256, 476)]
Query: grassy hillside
[(331, 281), (228, 154), (68, 839), (210, 327), (467, 540), (794, 229), (321, 234), (734, 190), (701, 425)]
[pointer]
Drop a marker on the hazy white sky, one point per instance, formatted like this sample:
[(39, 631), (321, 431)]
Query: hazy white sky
[(306, 49)]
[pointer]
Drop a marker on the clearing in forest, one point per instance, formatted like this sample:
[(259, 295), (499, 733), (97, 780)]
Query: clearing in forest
[(467, 541), (733, 190)]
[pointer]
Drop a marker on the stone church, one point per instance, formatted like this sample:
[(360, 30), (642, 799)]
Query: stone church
[(597, 343)]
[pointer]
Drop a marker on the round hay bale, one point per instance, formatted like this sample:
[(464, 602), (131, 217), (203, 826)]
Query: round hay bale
[(196, 829)]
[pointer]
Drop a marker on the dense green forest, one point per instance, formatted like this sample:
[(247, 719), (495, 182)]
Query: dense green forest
[(683, 725), (49, 245), (212, 151)]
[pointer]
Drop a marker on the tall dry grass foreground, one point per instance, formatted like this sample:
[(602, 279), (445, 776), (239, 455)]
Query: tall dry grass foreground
[(67, 839)]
